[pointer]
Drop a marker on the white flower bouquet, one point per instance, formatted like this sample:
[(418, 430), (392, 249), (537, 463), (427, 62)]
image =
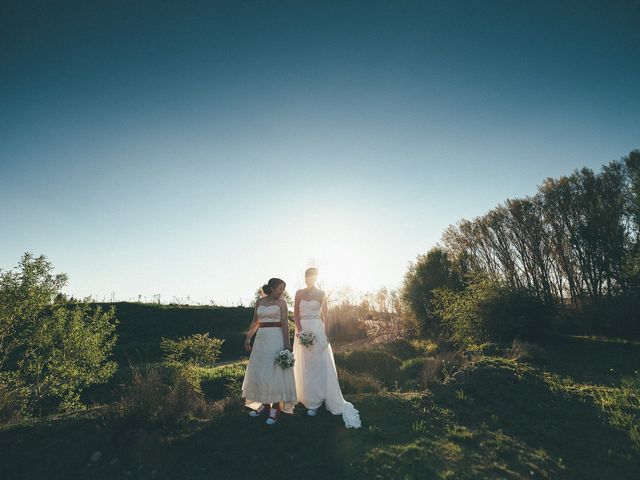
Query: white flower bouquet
[(285, 359), (307, 339)]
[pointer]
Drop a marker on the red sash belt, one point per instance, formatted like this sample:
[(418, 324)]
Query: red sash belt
[(270, 324)]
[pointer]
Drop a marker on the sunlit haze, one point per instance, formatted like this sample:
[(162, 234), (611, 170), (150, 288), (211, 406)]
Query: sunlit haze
[(196, 149)]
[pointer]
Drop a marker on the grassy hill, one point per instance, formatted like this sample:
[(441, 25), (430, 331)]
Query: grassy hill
[(143, 324), (569, 411)]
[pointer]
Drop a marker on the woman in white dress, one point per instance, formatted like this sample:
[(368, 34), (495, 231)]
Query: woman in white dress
[(267, 387), (315, 368)]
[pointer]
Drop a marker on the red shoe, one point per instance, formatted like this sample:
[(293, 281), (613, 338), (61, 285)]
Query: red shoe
[(259, 411), (274, 413)]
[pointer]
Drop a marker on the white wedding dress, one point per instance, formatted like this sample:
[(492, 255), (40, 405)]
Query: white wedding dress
[(264, 380), (315, 372)]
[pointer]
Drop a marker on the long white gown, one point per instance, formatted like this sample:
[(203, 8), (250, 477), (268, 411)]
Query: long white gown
[(315, 369), (264, 380)]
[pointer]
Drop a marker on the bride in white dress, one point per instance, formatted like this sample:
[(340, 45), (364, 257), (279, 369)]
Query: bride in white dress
[(315, 369), (267, 387)]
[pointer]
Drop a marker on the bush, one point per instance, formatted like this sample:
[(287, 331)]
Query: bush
[(443, 368), (196, 349), (218, 382), (375, 362), (616, 317), (528, 352), (412, 369), (431, 271), (358, 382), (427, 348), (162, 394), (49, 350), (490, 311), (401, 348), (10, 402), (422, 372)]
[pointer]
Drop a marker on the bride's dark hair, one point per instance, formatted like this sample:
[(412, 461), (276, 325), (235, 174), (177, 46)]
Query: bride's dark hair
[(271, 284)]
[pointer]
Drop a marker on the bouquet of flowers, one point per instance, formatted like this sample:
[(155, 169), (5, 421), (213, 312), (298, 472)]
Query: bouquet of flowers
[(285, 359), (307, 339)]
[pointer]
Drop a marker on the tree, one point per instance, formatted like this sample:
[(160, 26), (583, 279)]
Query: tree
[(50, 349), (430, 271)]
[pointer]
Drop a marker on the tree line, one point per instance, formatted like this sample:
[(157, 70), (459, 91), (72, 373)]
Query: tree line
[(573, 246)]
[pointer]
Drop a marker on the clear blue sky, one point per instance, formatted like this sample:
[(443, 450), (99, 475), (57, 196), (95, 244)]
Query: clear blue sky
[(198, 148)]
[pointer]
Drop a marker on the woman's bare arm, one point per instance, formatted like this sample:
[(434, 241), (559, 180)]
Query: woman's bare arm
[(284, 318), (252, 329), (296, 313)]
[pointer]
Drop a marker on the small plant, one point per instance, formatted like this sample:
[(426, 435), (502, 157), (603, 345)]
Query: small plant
[(460, 395), (358, 382), (162, 394), (419, 426), (528, 352), (196, 349)]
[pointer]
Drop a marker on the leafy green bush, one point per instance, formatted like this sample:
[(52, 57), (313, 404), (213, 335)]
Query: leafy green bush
[(401, 348), (163, 393), (374, 362), (218, 382), (197, 349), (49, 350), (443, 368), (488, 310), (431, 271), (412, 369), (358, 382), (420, 372)]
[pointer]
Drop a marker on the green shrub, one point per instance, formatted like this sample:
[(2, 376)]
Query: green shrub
[(49, 350), (528, 352), (219, 382), (443, 368), (358, 382), (487, 310), (401, 348), (162, 394), (197, 349), (417, 373), (429, 272), (378, 363), (616, 317), (412, 369)]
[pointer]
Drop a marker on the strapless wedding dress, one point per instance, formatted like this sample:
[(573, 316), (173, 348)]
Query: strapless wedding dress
[(315, 372), (264, 380)]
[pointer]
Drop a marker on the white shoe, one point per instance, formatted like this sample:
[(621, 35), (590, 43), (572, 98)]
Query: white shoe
[(259, 411), (273, 416), (312, 412)]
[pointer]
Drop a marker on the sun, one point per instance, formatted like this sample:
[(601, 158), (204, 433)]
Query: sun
[(342, 249), (342, 264)]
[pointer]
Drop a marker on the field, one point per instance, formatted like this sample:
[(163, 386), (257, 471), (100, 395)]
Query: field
[(568, 410)]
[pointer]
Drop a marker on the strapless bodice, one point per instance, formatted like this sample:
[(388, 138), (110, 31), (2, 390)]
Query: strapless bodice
[(268, 313), (310, 309)]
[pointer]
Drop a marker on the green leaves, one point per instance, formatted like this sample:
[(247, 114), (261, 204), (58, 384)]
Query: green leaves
[(197, 349), (49, 349), (431, 271)]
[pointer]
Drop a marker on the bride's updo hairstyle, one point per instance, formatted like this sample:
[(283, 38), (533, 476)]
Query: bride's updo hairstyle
[(271, 284)]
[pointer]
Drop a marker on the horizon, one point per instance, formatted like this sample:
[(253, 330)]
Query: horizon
[(198, 150)]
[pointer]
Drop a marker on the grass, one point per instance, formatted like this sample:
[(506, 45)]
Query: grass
[(143, 325), (573, 416)]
